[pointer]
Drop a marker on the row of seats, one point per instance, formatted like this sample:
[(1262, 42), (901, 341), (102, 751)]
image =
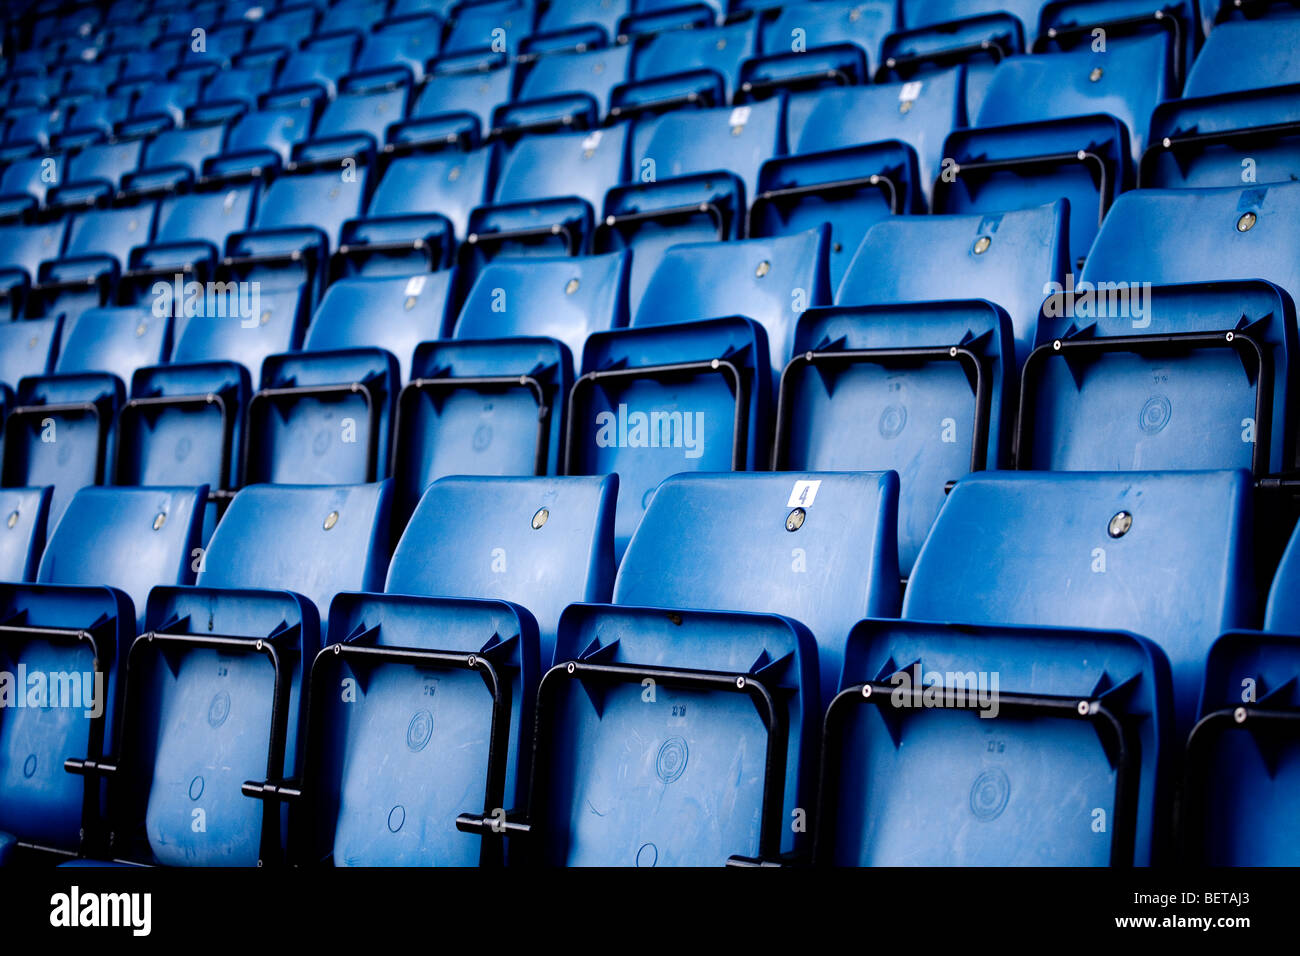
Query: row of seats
[(678, 707), (1078, 124), (954, 343)]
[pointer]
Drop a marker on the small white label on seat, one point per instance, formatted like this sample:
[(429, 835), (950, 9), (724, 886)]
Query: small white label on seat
[(414, 285), (910, 91), (740, 116), (593, 139), (804, 493)]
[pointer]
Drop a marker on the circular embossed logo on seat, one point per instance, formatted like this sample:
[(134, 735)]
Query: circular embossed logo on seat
[(482, 437), (989, 794), (396, 817), (321, 443), (219, 709), (196, 788), (419, 730), (1155, 414), (29, 766), (671, 762), (648, 855), (183, 449), (892, 421)]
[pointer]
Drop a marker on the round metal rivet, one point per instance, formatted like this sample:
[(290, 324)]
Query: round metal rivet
[(1083, 708), (13, 518), (472, 661), (540, 517), (1095, 75), (141, 329), (1166, 142), (794, 520), (905, 106), (1239, 715), (571, 287), (838, 247), (331, 520), (952, 351), (1246, 222), (763, 269), (1230, 336), (571, 667), (338, 649), (410, 303), (159, 520), (259, 645), (1056, 345), (1119, 524), (982, 244), (740, 682), (266, 317), (866, 690)]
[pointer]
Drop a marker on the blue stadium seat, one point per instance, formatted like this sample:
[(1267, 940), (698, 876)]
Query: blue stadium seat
[(1070, 749), (674, 68), (175, 157), (548, 196), (324, 415), (27, 348), (857, 154), (924, 390), (588, 23), (219, 673), (463, 91), (1011, 259), (492, 399), (22, 540), (111, 547), (498, 26), (418, 212), (399, 48), (692, 175), (490, 603), (676, 728), (1238, 118), (1200, 375), (185, 420), (563, 91), (1062, 125), (60, 429), (190, 231), (22, 250), (25, 183), (97, 248), (688, 386), (805, 45), (1241, 756)]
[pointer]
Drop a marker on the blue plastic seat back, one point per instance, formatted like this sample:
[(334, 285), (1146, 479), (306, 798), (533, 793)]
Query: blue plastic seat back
[(542, 543), (26, 247), (107, 162), (240, 326), (117, 340), (206, 216), (277, 130), (582, 164), (476, 92), (721, 49), (366, 112), (824, 23), (594, 73), (736, 139), (447, 182), (1126, 82), (1246, 55), (771, 281), (496, 26), (724, 542), (405, 43), (132, 539), (1008, 258), (1165, 555), (322, 201), (1167, 236), (579, 14), (928, 417), (313, 540), (930, 12), (27, 348), (22, 537), (566, 299), (109, 232), (187, 147), (920, 113), (321, 62), (394, 313)]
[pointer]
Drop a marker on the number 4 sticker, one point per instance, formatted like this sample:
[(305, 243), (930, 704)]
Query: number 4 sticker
[(803, 494)]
